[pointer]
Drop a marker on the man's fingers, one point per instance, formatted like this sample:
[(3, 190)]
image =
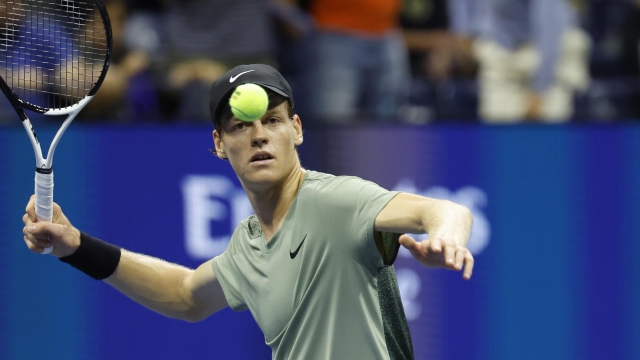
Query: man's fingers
[(57, 212), (449, 254), (459, 260), (408, 242), (435, 245), (33, 246), (31, 208), (37, 240), (468, 266), (45, 230)]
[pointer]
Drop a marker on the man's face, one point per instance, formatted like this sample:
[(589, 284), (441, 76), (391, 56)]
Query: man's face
[(262, 153)]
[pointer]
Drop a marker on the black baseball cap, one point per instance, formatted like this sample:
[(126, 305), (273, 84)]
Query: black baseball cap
[(263, 75)]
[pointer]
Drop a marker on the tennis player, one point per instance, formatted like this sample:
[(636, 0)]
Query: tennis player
[(312, 265)]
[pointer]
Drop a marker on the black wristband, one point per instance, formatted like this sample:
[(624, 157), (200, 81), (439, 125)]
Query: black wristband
[(94, 257)]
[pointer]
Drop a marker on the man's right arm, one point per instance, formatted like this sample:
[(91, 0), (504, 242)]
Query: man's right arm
[(169, 289)]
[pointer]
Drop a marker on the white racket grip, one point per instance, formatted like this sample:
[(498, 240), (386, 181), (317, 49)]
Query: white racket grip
[(44, 196), (44, 200)]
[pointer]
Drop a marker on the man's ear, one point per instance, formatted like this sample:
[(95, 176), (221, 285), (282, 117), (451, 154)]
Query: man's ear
[(217, 141), (297, 125)]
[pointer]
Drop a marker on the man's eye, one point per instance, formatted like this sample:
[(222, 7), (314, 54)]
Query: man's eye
[(239, 126), (273, 120)]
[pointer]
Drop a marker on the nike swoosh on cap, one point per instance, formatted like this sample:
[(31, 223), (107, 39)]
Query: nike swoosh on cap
[(233, 78)]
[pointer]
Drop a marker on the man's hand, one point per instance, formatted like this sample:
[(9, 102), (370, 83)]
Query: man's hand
[(448, 225), (59, 232), (438, 253)]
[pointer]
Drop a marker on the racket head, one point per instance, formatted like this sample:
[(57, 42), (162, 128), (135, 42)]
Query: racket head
[(53, 53)]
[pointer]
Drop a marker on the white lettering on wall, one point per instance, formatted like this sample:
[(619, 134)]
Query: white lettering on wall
[(212, 205)]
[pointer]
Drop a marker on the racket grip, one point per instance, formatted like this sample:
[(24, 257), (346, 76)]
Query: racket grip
[(44, 196), (44, 200)]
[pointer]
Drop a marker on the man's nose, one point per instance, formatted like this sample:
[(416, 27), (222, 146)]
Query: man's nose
[(258, 134)]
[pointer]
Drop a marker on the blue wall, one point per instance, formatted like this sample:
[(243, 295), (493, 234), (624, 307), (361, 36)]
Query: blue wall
[(555, 237)]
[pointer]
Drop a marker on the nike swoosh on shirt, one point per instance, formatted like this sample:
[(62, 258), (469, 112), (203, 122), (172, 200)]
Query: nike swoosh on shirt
[(293, 254), (233, 78)]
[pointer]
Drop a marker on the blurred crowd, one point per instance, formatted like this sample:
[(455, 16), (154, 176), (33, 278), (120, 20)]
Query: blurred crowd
[(354, 61)]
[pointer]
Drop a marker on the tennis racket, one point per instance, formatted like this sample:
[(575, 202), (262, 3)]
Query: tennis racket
[(54, 55)]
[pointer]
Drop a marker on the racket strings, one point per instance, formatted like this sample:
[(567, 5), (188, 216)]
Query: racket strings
[(52, 52)]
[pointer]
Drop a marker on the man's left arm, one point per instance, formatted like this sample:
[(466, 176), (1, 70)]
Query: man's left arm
[(448, 225)]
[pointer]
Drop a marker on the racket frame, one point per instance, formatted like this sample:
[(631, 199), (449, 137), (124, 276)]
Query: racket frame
[(44, 166)]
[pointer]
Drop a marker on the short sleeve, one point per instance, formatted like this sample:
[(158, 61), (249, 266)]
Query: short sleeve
[(227, 272), (353, 204)]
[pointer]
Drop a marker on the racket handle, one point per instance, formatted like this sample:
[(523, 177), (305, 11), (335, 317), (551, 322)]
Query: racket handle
[(44, 200)]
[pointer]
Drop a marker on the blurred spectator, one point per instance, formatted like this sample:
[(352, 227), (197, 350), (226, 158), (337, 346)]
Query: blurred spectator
[(31, 58), (533, 57), (294, 31), (128, 92), (615, 91), (35, 55), (442, 64), (204, 39), (604, 21), (631, 41), (360, 65), (435, 51), (631, 52)]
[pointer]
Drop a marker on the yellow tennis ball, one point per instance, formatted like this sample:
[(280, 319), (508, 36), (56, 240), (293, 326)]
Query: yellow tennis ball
[(249, 102)]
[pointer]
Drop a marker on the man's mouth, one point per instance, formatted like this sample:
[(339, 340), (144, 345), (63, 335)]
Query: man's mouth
[(261, 156)]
